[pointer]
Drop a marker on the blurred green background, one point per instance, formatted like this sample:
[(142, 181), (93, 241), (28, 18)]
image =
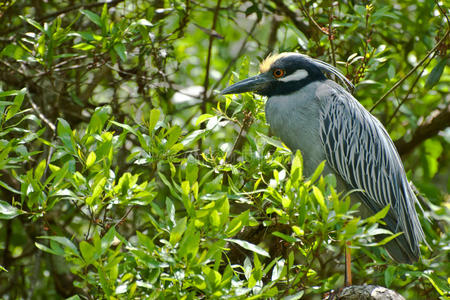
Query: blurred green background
[(124, 174)]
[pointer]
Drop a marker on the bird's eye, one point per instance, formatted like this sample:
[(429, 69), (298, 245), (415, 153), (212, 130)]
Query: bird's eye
[(278, 73)]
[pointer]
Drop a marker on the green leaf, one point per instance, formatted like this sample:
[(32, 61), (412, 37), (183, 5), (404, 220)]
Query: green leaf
[(9, 188), (33, 23), (273, 142), (92, 16), (83, 46), (295, 296), (297, 166), (441, 286), (285, 237), (8, 212), (214, 218), (190, 242), (384, 241), (318, 171), (203, 118), (193, 137), (177, 231), (320, 199), (145, 241), (237, 223), (191, 169), (47, 249), (65, 133), (436, 73), (249, 246), (39, 171), (90, 159), (108, 239), (126, 127), (301, 37), (389, 275), (63, 241), (98, 119), (144, 22), (87, 251), (18, 100), (121, 51), (278, 269), (154, 117), (379, 215), (213, 277), (172, 136)]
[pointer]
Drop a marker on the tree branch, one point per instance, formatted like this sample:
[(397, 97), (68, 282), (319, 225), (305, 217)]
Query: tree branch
[(398, 83), (368, 292), (64, 11), (430, 127), (293, 16)]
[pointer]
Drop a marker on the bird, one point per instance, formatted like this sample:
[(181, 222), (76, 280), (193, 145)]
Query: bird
[(321, 118)]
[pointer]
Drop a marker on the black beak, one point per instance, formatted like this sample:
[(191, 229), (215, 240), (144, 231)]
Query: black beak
[(252, 84)]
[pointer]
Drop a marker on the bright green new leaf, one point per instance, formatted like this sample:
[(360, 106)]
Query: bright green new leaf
[(297, 166), (90, 159), (379, 215), (177, 231), (320, 199), (202, 118), (154, 117)]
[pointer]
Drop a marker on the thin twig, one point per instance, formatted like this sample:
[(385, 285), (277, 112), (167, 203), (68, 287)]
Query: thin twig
[(443, 12), (65, 10), (124, 216), (239, 54), (410, 90), (396, 85), (305, 12), (41, 115), (331, 35), (248, 120), (208, 58)]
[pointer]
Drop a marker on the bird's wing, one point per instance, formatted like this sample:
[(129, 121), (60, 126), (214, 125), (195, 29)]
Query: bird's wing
[(360, 150)]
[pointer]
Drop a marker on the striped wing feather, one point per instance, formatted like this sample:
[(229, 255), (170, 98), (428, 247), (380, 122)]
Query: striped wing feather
[(360, 150)]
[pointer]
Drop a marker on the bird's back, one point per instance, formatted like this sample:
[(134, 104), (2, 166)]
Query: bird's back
[(360, 151)]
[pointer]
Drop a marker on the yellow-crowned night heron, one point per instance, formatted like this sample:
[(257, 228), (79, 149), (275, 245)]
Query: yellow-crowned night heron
[(325, 122)]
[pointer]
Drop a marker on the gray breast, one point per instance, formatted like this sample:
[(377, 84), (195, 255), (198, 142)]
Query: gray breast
[(295, 118)]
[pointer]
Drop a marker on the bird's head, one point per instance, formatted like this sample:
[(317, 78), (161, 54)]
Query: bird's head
[(285, 73)]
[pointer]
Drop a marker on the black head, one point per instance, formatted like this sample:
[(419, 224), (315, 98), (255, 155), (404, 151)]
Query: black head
[(284, 74)]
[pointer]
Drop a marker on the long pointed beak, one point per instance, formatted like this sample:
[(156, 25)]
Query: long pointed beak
[(252, 84)]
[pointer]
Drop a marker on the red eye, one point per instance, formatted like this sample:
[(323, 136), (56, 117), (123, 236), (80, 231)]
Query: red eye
[(278, 73)]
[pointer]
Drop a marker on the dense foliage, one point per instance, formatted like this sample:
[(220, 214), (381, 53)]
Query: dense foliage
[(125, 175)]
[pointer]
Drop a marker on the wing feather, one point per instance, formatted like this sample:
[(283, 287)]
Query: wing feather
[(360, 150)]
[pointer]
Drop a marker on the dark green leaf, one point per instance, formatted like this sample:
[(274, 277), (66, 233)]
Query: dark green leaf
[(92, 16), (436, 73)]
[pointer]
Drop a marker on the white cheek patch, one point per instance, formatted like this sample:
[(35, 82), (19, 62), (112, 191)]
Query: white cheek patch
[(297, 75)]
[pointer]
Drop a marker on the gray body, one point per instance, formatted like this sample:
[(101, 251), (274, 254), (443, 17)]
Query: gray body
[(288, 117), (325, 122)]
